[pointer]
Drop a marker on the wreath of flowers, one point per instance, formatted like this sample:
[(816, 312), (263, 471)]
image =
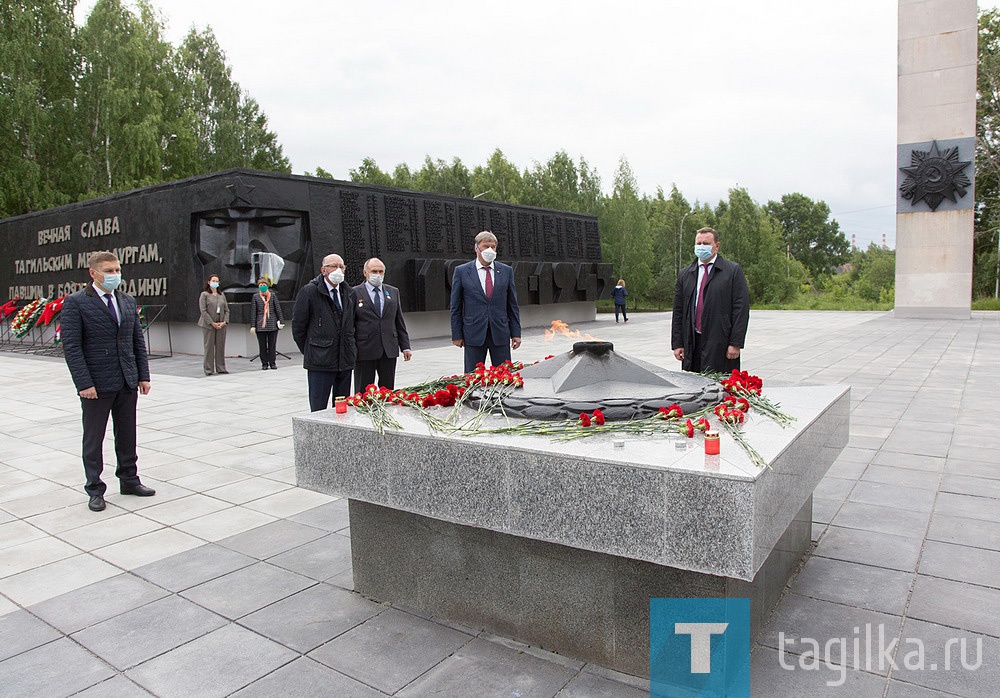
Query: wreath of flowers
[(27, 316), (490, 386)]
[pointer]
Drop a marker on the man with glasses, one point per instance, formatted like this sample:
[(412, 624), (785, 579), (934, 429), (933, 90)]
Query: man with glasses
[(323, 330)]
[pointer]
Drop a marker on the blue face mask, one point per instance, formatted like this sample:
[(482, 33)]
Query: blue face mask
[(112, 281), (703, 252), (213, 284)]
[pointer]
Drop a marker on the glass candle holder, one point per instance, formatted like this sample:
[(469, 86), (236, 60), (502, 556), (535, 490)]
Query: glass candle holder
[(712, 443), (341, 405)]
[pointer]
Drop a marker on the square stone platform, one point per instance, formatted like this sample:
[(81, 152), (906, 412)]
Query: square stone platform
[(562, 543)]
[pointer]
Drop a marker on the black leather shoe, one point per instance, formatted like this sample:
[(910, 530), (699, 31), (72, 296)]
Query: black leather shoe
[(139, 490), (274, 367), (96, 503), (264, 367)]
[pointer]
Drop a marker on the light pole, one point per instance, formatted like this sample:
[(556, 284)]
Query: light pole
[(483, 193), (680, 234)]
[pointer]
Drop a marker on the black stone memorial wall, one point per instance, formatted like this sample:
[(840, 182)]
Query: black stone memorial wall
[(242, 224)]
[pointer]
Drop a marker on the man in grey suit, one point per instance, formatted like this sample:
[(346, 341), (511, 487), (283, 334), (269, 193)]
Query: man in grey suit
[(484, 313), (379, 329), (106, 355)]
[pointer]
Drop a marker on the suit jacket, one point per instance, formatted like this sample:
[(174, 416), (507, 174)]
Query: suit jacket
[(323, 334), (376, 336), (207, 303), (274, 315), (472, 313), (724, 318), (100, 352)]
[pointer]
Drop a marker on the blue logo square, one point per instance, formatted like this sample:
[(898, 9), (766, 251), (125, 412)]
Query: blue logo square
[(699, 647)]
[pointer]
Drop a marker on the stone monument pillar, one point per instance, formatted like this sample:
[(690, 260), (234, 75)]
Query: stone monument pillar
[(936, 152)]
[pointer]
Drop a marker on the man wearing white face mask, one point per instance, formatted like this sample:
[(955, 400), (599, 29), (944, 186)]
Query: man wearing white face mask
[(106, 354), (485, 316), (711, 309), (380, 331), (323, 330)]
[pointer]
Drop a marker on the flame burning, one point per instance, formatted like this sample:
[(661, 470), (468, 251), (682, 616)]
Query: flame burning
[(560, 328)]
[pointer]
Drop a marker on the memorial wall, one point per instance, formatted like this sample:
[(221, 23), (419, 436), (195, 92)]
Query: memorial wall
[(243, 224)]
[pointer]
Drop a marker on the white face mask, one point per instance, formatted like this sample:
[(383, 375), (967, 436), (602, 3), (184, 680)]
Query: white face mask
[(336, 276), (375, 279), (488, 254)]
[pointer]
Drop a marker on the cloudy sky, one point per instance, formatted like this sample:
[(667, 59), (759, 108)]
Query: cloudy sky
[(776, 96)]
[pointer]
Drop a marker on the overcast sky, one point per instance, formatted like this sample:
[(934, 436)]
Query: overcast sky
[(776, 96)]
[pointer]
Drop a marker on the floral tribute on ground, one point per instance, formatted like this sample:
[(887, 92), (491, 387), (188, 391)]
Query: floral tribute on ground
[(484, 390), (27, 316)]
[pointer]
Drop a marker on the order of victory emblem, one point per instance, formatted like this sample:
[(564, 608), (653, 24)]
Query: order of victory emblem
[(935, 175)]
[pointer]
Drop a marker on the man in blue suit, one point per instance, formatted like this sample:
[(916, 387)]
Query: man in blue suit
[(484, 312), (106, 354)]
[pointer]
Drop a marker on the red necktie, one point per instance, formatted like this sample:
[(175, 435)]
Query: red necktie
[(700, 307), (489, 283)]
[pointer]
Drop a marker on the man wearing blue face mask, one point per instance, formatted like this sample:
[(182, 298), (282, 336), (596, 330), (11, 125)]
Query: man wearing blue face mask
[(106, 355), (711, 309)]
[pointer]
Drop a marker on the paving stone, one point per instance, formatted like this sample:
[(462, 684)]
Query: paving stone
[(907, 477), (978, 486), (899, 689), (896, 496), (972, 532), (954, 604), (985, 508), (495, 671), (271, 539), (311, 617), (146, 632), (824, 510), (320, 560), (961, 563), (305, 678), (59, 668), (870, 548), (330, 517), (247, 590), (834, 488), (97, 602), (864, 586), (21, 631), (909, 460), (406, 646), (882, 519), (799, 617), (769, 678), (216, 664), (972, 468), (588, 685), (942, 668), (188, 569)]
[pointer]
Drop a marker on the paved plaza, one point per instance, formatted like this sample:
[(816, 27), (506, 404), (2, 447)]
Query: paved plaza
[(232, 581)]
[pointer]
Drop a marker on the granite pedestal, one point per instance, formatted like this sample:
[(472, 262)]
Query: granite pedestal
[(562, 544)]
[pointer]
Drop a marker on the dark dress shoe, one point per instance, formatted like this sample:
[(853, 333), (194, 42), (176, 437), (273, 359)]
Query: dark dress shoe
[(274, 367), (223, 372), (264, 367), (139, 490), (97, 503)]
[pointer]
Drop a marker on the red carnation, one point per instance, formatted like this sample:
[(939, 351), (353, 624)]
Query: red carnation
[(690, 428), (599, 417), (584, 419)]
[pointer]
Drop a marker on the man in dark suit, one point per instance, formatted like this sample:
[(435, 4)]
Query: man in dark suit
[(323, 330), (484, 312), (379, 329), (106, 354), (711, 309)]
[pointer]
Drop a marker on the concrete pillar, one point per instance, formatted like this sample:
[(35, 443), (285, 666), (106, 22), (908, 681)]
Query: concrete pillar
[(936, 154)]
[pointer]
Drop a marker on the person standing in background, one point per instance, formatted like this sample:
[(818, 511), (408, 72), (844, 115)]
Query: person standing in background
[(213, 319), (379, 329), (620, 293), (265, 321)]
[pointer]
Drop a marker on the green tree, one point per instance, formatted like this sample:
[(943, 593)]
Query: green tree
[(123, 94), (987, 237), (751, 237), (873, 274), (809, 234), (38, 70), (443, 178), (625, 239), (498, 179), (225, 126), (370, 173)]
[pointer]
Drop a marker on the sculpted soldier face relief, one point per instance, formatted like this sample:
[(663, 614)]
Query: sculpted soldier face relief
[(240, 245)]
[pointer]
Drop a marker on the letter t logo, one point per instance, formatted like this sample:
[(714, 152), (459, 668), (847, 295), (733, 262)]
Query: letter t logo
[(701, 643)]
